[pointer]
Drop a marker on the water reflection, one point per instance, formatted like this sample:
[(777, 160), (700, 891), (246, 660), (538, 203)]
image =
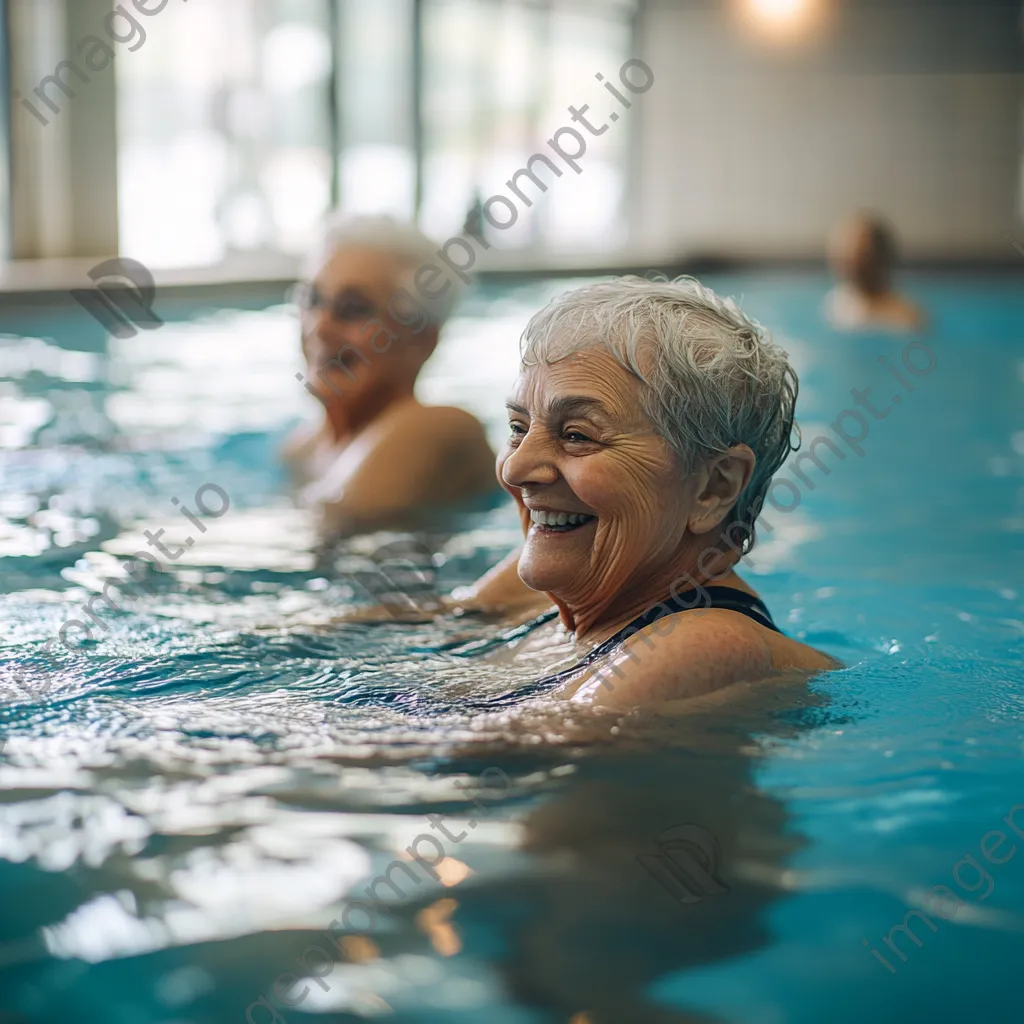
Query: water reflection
[(191, 801)]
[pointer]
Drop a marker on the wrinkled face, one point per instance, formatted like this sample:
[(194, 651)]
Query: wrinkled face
[(347, 321), (603, 499)]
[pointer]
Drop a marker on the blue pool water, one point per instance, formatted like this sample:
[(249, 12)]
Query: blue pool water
[(193, 803)]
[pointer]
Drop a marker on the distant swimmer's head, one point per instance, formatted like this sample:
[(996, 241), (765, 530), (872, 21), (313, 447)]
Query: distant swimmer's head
[(645, 426), (373, 299), (862, 252)]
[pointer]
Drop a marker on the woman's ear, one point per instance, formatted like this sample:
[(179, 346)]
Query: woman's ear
[(723, 481)]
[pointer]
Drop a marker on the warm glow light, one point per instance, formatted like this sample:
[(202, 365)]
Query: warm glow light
[(434, 922), (451, 871), (778, 10), (359, 949), (780, 17)]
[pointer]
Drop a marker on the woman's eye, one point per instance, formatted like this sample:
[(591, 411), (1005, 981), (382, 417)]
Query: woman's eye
[(352, 311), (516, 429), (576, 437)]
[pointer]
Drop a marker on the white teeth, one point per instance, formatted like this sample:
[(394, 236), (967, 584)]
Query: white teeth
[(557, 518)]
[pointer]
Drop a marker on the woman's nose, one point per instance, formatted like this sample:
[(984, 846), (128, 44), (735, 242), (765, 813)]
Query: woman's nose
[(324, 326), (329, 336), (530, 462), (313, 323)]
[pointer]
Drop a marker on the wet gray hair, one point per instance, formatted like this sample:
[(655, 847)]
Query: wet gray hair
[(409, 246), (711, 376)]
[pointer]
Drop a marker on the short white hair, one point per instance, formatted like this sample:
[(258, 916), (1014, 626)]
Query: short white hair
[(710, 376), (404, 241)]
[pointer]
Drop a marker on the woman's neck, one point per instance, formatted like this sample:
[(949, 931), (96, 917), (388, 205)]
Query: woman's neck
[(592, 622), (345, 419)]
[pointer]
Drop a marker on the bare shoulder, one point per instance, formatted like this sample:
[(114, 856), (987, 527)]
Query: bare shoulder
[(448, 440), (440, 434), (690, 654), (448, 420)]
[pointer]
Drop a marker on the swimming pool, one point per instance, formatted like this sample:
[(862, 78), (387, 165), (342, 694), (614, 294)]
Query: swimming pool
[(219, 809)]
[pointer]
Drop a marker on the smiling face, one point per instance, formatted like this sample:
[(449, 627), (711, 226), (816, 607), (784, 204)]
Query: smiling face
[(349, 323), (580, 446)]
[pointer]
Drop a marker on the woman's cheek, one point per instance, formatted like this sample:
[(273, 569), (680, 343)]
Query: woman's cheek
[(603, 489)]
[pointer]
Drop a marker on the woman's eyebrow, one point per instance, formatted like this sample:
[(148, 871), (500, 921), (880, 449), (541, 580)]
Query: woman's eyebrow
[(352, 291), (576, 405), (563, 408)]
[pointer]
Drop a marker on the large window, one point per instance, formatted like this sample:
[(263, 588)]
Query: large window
[(239, 123), (225, 131), (377, 106), (498, 78)]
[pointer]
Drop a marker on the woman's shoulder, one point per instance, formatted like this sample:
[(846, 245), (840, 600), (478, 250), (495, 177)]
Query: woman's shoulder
[(441, 432), (691, 653), (411, 413), (721, 629)]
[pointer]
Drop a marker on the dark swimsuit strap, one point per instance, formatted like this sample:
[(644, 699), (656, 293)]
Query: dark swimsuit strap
[(727, 598)]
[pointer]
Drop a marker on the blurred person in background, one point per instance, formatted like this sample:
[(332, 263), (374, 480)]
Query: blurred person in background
[(378, 458), (862, 252)]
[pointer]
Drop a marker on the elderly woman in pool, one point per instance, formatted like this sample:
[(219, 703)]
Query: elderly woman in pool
[(644, 429), (377, 457)]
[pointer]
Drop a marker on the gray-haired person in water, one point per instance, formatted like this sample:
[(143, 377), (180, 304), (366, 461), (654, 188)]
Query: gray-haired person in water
[(378, 458), (862, 251), (644, 429)]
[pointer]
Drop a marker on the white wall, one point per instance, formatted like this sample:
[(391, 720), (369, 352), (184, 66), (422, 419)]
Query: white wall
[(752, 149)]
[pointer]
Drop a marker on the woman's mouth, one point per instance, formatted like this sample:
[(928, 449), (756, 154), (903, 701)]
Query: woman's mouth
[(559, 522), (345, 360)]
